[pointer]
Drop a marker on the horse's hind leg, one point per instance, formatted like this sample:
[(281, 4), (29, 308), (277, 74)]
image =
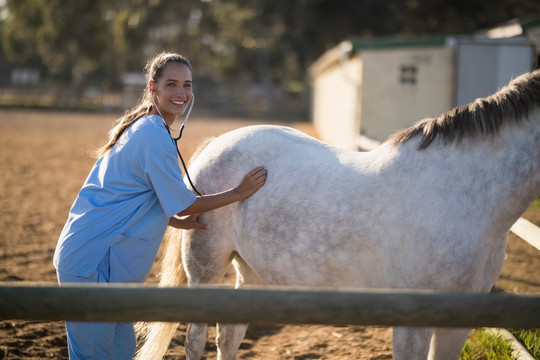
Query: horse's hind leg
[(447, 343), (230, 336), (206, 258), (196, 335), (411, 343), (228, 339)]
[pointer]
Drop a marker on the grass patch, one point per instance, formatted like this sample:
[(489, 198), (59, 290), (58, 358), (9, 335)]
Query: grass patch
[(483, 345), (530, 339)]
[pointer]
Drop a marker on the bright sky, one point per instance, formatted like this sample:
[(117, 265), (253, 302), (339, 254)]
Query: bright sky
[(3, 10)]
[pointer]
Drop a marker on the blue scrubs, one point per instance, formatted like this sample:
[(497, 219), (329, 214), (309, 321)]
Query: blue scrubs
[(116, 224)]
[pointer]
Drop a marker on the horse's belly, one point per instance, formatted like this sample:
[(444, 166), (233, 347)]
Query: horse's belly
[(303, 261)]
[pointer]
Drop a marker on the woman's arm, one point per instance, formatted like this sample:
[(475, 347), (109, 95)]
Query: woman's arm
[(187, 222), (252, 182)]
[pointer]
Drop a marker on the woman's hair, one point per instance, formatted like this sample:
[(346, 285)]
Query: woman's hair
[(153, 71)]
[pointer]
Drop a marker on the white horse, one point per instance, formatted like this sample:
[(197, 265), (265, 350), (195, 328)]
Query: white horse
[(429, 209)]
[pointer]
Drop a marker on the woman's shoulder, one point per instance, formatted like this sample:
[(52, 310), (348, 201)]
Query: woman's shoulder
[(153, 133), (149, 121), (146, 132), (149, 126)]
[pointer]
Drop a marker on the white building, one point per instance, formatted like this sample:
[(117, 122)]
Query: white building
[(370, 88)]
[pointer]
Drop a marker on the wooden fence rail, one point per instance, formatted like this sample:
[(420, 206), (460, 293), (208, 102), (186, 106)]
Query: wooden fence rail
[(278, 305)]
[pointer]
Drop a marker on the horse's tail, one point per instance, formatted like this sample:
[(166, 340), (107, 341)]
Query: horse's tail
[(156, 336)]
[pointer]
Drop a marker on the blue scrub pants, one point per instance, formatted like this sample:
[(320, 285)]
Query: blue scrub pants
[(93, 340)]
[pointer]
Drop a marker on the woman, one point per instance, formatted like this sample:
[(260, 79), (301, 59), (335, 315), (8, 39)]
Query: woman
[(134, 190)]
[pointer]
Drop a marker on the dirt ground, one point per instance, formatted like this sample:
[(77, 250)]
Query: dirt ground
[(45, 158)]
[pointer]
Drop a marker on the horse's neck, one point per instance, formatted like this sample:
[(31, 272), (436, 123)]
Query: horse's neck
[(499, 175), (509, 166)]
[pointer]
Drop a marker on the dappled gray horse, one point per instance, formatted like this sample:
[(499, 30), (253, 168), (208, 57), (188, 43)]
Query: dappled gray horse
[(429, 209)]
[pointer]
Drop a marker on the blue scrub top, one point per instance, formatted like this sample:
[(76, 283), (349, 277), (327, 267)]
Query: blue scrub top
[(124, 205)]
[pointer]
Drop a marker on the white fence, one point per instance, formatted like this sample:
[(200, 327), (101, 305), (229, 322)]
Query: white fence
[(527, 231)]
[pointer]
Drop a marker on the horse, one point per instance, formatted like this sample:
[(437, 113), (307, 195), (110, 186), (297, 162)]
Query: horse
[(430, 208)]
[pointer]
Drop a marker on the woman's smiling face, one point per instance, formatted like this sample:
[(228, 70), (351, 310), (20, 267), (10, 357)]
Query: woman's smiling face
[(173, 91)]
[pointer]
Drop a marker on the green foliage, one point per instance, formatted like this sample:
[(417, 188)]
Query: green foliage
[(18, 30), (530, 338), (482, 345), (251, 41)]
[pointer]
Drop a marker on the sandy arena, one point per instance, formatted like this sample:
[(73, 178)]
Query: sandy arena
[(46, 156)]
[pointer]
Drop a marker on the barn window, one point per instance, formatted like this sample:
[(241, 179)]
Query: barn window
[(408, 74)]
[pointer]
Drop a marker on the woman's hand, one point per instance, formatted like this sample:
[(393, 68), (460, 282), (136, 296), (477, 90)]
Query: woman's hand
[(187, 222), (252, 182)]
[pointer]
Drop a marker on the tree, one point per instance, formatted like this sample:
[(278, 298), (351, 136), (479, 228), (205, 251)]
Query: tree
[(67, 36), (251, 41)]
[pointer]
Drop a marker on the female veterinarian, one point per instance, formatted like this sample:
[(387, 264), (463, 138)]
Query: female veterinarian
[(134, 190)]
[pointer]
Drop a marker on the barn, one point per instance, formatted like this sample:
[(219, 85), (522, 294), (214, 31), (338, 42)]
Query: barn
[(366, 89)]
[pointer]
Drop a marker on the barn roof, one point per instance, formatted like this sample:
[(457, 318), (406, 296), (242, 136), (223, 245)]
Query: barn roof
[(359, 44), (354, 45)]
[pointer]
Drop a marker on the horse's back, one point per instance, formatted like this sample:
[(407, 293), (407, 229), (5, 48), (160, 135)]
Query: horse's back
[(223, 162), (282, 230), (326, 215)]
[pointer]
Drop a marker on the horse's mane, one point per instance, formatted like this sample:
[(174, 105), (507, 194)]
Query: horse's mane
[(484, 116)]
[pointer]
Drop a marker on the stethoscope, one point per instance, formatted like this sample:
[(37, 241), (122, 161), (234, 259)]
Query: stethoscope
[(179, 136)]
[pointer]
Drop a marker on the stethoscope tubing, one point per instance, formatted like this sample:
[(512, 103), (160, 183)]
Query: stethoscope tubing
[(176, 139)]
